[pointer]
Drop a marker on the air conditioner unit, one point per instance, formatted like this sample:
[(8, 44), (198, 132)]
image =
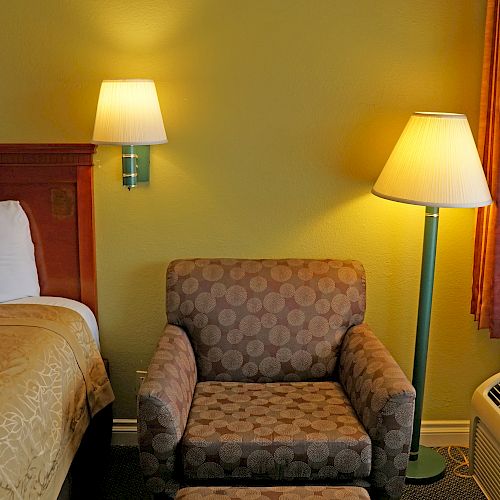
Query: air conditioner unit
[(484, 448)]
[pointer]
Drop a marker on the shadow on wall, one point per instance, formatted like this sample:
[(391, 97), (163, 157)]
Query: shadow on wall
[(368, 144)]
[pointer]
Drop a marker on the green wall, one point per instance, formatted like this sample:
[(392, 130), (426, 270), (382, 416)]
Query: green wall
[(280, 115)]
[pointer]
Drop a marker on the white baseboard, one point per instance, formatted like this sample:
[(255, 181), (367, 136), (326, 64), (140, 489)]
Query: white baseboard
[(445, 433), (433, 432)]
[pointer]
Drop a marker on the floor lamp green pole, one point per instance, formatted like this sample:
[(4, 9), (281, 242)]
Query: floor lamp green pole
[(431, 465), (435, 164)]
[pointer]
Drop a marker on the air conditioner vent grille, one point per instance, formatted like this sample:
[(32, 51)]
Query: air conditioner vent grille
[(494, 394), (486, 460)]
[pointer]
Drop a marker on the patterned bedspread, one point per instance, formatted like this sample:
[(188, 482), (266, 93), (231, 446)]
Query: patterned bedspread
[(52, 379)]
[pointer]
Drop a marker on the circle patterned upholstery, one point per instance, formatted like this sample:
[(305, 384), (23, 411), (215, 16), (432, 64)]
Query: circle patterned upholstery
[(297, 430), (265, 320), (274, 493), (218, 402)]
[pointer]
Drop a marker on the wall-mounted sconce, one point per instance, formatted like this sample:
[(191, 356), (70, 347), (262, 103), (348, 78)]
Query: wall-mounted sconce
[(128, 114)]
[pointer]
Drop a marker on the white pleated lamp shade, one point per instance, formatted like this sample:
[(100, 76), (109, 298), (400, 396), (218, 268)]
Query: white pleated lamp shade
[(435, 163), (128, 113)]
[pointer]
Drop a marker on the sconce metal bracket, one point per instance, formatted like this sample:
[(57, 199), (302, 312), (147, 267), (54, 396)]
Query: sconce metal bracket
[(142, 163), (135, 165)]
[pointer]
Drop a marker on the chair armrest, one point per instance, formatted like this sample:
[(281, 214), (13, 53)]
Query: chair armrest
[(163, 402), (384, 400)]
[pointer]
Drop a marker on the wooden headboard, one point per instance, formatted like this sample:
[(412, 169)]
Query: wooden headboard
[(53, 182)]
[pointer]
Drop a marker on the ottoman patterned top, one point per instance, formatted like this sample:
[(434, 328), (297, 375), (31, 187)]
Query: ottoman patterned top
[(274, 493)]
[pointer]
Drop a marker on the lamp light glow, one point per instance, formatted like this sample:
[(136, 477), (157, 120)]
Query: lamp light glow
[(128, 114)]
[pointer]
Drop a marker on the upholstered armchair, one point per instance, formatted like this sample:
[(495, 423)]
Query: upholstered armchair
[(265, 373)]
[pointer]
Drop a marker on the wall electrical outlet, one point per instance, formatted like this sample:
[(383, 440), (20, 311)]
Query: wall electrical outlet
[(140, 375)]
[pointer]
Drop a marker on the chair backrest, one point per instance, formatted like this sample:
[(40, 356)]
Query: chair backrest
[(265, 320)]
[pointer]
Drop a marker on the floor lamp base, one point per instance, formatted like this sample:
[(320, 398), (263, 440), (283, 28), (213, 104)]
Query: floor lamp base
[(429, 467)]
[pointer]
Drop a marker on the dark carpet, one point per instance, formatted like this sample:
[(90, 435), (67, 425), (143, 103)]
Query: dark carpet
[(123, 479)]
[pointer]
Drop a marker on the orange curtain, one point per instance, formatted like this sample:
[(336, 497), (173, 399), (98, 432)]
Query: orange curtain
[(486, 276)]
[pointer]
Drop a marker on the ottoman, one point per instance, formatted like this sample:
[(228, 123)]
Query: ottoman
[(273, 493)]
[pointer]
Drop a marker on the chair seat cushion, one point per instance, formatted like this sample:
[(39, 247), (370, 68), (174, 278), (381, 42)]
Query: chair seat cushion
[(274, 493), (279, 430)]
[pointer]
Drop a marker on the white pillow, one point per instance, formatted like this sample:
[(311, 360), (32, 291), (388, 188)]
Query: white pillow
[(18, 274)]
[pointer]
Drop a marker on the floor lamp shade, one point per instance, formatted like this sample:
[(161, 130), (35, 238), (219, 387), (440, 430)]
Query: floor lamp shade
[(435, 163)]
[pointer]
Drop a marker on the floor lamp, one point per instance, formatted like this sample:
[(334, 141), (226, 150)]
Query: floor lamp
[(435, 164)]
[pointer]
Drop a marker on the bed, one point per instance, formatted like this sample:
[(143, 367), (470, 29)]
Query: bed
[(55, 394)]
